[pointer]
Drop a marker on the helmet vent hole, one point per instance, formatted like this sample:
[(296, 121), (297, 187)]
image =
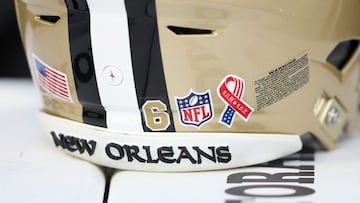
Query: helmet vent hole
[(47, 19), (189, 31), (342, 53)]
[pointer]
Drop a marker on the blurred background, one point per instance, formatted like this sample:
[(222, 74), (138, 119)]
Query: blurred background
[(12, 57)]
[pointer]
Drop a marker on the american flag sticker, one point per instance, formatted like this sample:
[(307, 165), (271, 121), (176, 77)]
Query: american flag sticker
[(51, 80)]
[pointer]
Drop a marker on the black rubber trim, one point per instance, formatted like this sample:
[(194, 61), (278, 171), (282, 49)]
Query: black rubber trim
[(342, 53), (146, 55), (83, 63)]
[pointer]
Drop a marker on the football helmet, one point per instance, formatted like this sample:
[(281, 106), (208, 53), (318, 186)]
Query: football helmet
[(192, 85)]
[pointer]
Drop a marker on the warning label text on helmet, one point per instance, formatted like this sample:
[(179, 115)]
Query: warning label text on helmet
[(281, 82)]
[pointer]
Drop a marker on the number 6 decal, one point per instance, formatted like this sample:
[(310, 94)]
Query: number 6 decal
[(155, 114)]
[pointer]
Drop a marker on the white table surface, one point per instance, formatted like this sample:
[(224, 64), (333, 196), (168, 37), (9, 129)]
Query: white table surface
[(32, 170)]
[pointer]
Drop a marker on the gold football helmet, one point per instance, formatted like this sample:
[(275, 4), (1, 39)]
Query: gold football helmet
[(192, 85)]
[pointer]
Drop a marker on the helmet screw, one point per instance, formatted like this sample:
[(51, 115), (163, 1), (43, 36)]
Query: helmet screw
[(112, 75), (333, 116)]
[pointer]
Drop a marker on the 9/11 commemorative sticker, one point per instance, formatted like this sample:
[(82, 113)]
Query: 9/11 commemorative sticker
[(231, 91)]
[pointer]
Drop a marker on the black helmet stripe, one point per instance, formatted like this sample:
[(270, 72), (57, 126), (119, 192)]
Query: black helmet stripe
[(146, 55), (83, 64)]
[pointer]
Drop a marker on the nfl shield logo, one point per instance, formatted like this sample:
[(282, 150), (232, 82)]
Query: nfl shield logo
[(195, 109)]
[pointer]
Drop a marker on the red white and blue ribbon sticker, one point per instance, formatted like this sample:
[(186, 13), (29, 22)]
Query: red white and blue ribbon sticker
[(231, 91)]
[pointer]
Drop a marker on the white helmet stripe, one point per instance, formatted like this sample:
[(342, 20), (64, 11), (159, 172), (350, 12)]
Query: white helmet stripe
[(113, 69)]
